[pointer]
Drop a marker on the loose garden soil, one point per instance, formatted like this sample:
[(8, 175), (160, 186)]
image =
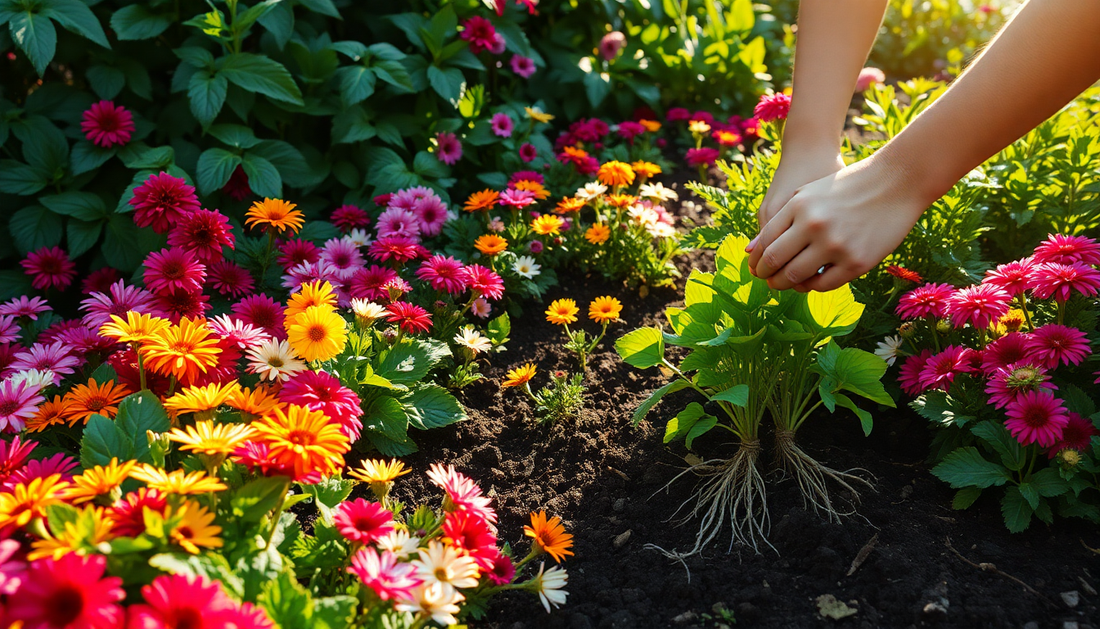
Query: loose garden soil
[(606, 478)]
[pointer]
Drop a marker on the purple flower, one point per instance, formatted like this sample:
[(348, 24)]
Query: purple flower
[(502, 125), (523, 66)]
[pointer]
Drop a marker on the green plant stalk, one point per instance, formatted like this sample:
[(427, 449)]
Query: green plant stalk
[(1027, 315), (276, 514)]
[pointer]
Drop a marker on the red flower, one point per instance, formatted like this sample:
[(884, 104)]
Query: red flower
[(398, 248), (480, 32), (1036, 417), (905, 274), (182, 303), (261, 311), (502, 571), (230, 279), (1052, 279), (319, 391), (163, 201), (237, 188), (528, 152), (128, 512), (67, 592), (106, 124), (203, 233), (99, 280), (174, 269), (410, 317), (348, 217), (296, 251), (702, 157), (464, 531), (978, 305), (362, 521), (49, 267), (485, 282), (677, 114), (772, 107), (629, 130), (367, 283)]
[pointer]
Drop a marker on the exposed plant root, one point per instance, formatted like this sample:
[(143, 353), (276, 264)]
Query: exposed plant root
[(813, 477), (732, 489)]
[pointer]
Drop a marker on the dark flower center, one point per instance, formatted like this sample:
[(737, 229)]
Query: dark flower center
[(64, 606)]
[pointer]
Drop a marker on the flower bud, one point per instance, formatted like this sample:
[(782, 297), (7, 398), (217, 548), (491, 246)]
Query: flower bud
[(908, 330), (944, 327), (1069, 458)]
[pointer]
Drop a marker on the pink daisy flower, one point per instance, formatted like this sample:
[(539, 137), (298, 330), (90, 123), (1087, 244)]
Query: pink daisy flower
[(230, 279), (388, 578), (400, 249), (263, 312), (9, 329), (410, 317), (203, 233), (54, 357), (1036, 417), (1052, 279), (49, 267), (395, 288), (1054, 344), (485, 282), (528, 153), (978, 305), (516, 198), (12, 568), (480, 33), (320, 391), (70, 592), (182, 600), (309, 272), (677, 114), (106, 124), (118, 300), (629, 130), (1077, 435), (59, 463), (362, 521), (522, 66), (99, 280), (1063, 249), (398, 222), (24, 306), (940, 370), (84, 340), (502, 125), (450, 148), (868, 77), (772, 107), (163, 201), (1007, 383), (343, 256), (702, 156), (405, 199), (181, 303), (367, 283), (502, 571), (248, 616), (929, 300), (174, 269), (444, 274), (1013, 278), (13, 456), (297, 251), (432, 213), (243, 335), (1006, 350), (349, 217), (463, 494)]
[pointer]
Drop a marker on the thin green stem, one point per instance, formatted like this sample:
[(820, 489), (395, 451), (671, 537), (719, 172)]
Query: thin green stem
[(276, 514)]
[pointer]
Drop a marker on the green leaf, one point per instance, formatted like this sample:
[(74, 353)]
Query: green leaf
[(81, 236), (324, 7), (235, 135), (356, 83), (86, 156), (328, 493), (213, 566), (335, 612), (214, 169), (138, 414), (125, 245), (260, 74), (387, 416), (280, 23), (997, 436), (852, 369), (207, 93), (738, 395), (643, 348), (655, 397), (21, 179), (965, 497), (448, 83), (352, 125), (34, 227), (833, 313), (498, 329), (1016, 510), (103, 441), (966, 467), (106, 81), (36, 37), (410, 361), (256, 498), (1048, 483), (75, 16), (431, 406), (597, 85), (82, 205), (142, 157), (689, 424), (137, 21), (263, 177), (865, 420)]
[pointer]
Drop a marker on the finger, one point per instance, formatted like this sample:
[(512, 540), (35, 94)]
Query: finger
[(782, 250), (803, 267), (833, 278), (775, 228)]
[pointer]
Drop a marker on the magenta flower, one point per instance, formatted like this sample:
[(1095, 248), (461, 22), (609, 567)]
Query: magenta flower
[(49, 267), (320, 391), (262, 312), (978, 305), (183, 303), (12, 569), (463, 493), (1036, 417), (237, 333), (367, 283), (163, 201), (1013, 278), (929, 300), (1077, 435), (502, 570), (523, 66), (450, 148), (629, 130), (398, 248), (1053, 344), (68, 592), (444, 274), (941, 369), (772, 107), (174, 269), (516, 198), (54, 357), (203, 233), (702, 157), (1007, 383), (362, 521), (398, 221), (349, 217), (388, 578), (297, 251), (230, 279), (611, 44), (1059, 281), (100, 279), (181, 600), (24, 306), (528, 152), (502, 125), (343, 256), (13, 455), (9, 329), (526, 175), (106, 124), (1008, 349), (117, 300), (678, 114), (59, 463), (479, 32), (432, 214), (485, 282), (1064, 249), (410, 317)]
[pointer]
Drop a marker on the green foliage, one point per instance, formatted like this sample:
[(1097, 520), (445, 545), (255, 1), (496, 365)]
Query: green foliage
[(124, 437), (921, 38), (562, 398)]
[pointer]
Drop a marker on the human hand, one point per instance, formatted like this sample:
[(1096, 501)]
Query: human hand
[(846, 222), (796, 169)]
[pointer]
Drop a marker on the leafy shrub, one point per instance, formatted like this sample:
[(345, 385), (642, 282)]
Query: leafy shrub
[(922, 38)]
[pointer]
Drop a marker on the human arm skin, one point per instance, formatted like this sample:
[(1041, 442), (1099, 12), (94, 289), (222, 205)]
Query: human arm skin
[(851, 220), (834, 39)]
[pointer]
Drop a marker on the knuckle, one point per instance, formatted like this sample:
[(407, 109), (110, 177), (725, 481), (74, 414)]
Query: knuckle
[(770, 259), (792, 276)]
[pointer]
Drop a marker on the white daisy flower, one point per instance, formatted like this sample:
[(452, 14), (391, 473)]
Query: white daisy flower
[(658, 192), (399, 543), (368, 310), (472, 340), (359, 237), (437, 600), (439, 564), (37, 379), (661, 230), (888, 349), (644, 216), (274, 360), (550, 586), (591, 191), (526, 267)]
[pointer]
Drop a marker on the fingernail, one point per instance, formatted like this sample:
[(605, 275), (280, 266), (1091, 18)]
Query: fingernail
[(751, 245)]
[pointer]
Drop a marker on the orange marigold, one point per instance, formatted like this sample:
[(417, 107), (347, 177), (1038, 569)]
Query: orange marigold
[(484, 200), (597, 234), (540, 191), (276, 214), (569, 204), (621, 200), (184, 351), (615, 173), (490, 244), (645, 170), (85, 400), (650, 125)]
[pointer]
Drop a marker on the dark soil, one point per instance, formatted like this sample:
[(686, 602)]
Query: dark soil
[(604, 477)]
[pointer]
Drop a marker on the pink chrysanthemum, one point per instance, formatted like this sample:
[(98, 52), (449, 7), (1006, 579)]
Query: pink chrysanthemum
[(1036, 417), (230, 279), (308, 272), (1054, 344), (60, 463), (367, 283), (480, 33), (772, 107), (243, 335), (163, 201), (410, 317), (118, 300), (9, 329), (1013, 278), (262, 312), (704, 156), (84, 339), (978, 305), (349, 217), (1063, 249), (485, 282), (388, 578), (297, 251), (522, 66), (444, 274), (929, 300), (400, 249), (1007, 383), (941, 369), (1077, 435), (407, 198), (49, 267), (24, 306), (182, 600), (68, 593), (54, 357), (320, 391), (397, 222), (181, 303), (248, 616), (503, 571), (432, 213), (449, 148), (463, 494), (56, 329), (174, 269), (343, 256), (528, 153), (362, 521), (13, 456), (516, 198), (1059, 281), (100, 280), (629, 130), (1006, 350), (502, 125), (106, 124), (203, 233)]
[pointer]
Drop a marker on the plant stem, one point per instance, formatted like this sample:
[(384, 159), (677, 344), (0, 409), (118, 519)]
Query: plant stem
[(1027, 315), (277, 514)]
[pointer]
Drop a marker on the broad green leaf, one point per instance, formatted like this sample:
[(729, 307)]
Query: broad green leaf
[(207, 93), (21, 179), (328, 493), (997, 436), (352, 125), (966, 467), (965, 497), (103, 441), (865, 420), (138, 21), (138, 414), (1016, 510), (642, 348), (387, 416), (76, 17), (256, 498), (852, 369), (81, 205), (261, 74), (833, 313), (1048, 483), (142, 157), (431, 406), (689, 424), (86, 156), (597, 86), (655, 397), (34, 227), (738, 395), (356, 83), (448, 83), (125, 245), (214, 169), (36, 37), (263, 177), (235, 135), (106, 81), (410, 361), (81, 236)]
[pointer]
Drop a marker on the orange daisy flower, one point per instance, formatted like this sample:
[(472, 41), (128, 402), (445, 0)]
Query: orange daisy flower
[(575, 153), (615, 173), (569, 204), (645, 170), (547, 224), (259, 401), (650, 125), (51, 413), (621, 200), (303, 440), (604, 309), (520, 375), (540, 192), (484, 200), (85, 400), (314, 293), (275, 213), (562, 312), (27, 501), (597, 234), (490, 244), (550, 536), (183, 350)]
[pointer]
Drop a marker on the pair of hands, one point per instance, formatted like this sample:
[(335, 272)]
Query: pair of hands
[(820, 213)]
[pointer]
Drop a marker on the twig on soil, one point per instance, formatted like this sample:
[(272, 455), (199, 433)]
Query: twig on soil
[(988, 567), (862, 555), (1090, 548)]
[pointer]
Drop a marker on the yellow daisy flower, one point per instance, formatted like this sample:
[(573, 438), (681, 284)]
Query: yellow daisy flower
[(28, 501), (177, 481), (200, 400), (196, 528), (276, 213), (98, 481), (314, 293), (604, 309), (206, 437), (547, 224), (537, 114), (135, 328), (562, 312), (519, 376), (317, 334)]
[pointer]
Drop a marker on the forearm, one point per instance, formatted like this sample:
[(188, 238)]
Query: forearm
[(834, 39), (1046, 55)]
